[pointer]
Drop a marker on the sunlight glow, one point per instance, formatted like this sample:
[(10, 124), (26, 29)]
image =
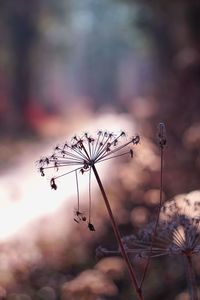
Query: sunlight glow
[(25, 196)]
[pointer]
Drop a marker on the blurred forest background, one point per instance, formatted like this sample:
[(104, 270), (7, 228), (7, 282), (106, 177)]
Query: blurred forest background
[(64, 64)]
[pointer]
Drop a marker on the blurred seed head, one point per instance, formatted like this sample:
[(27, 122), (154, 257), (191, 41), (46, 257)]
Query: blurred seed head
[(178, 231)]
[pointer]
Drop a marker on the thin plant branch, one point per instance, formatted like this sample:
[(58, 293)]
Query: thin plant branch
[(77, 189), (124, 254), (90, 197), (162, 143), (191, 279)]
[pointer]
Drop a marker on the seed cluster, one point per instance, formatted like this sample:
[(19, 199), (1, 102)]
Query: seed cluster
[(177, 234), (81, 154)]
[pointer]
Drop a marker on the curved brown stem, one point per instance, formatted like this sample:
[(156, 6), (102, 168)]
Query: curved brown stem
[(191, 279), (162, 143), (118, 237)]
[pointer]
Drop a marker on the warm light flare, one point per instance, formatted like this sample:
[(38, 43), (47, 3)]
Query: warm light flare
[(24, 195)]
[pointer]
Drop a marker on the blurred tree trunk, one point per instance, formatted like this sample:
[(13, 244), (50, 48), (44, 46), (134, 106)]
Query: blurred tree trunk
[(23, 37)]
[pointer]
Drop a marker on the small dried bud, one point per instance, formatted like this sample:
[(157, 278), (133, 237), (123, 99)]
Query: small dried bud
[(85, 166), (56, 165), (79, 216), (53, 184), (108, 147), (136, 139), (91, 227), (42, 171), (115, 142), (162, 135), (46, 160)]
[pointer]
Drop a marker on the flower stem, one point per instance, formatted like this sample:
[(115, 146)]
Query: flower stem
[(191, 279), (162, 143), (118, 237)]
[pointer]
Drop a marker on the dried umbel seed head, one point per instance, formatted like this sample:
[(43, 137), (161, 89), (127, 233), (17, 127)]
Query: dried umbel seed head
[(79, 156), (178, 231), (162, 139), (85, 151)]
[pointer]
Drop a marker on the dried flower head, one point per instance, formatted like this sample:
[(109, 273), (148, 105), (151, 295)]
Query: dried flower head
[(178, 231), (162, 139), (80, 154)]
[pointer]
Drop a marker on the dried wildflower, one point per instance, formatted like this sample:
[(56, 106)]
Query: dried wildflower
[(85, 151), (179, 236), (81, 154), (178, 232)]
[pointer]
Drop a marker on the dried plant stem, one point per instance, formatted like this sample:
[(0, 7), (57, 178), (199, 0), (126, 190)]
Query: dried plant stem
[(191, 279), (137, 289), (158, 214)]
